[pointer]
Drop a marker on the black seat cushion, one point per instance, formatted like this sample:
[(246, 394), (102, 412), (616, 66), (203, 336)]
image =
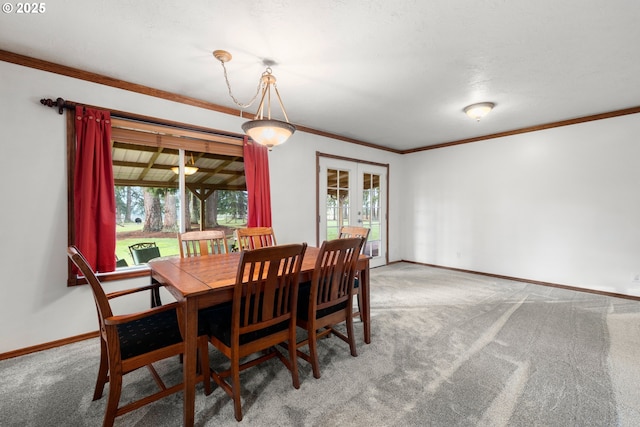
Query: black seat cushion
[(148, 334), (216, 321), (303, 303)]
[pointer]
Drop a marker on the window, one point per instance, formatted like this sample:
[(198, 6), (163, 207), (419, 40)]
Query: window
[(338, 213), (149, 193)]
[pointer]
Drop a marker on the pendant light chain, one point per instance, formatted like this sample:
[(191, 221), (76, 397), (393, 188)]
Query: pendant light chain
[(238, 103)]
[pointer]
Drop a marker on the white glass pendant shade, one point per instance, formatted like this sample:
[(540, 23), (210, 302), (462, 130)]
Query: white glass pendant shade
[(189, 169), (268, 132)]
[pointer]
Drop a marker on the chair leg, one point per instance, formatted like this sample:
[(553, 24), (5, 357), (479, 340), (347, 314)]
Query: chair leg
[(235, 387), (295, 377), (350, 336), (103, 371), (313, 352), (115, 388)]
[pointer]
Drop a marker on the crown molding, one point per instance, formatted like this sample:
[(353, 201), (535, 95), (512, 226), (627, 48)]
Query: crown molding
[(76, 73), (79, 74)]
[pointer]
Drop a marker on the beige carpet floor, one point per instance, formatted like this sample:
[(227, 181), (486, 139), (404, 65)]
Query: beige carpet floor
[(448, 349)]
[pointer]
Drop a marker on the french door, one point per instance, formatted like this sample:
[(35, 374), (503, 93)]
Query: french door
[(354, 193)]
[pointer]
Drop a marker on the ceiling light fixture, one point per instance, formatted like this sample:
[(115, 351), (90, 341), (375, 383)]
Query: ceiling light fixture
[(266, 131), (188, 170), (478, 111)]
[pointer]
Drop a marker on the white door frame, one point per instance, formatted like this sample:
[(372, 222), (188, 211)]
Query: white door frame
[(322, 160)]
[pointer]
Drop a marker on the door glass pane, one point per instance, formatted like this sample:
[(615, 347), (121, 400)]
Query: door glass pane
[(338, 212), (371, 212)]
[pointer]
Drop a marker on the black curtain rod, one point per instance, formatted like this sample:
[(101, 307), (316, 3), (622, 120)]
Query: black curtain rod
[(61, 104), (70, 105)]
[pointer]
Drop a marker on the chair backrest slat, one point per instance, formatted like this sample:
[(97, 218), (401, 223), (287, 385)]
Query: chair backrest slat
[(255, 237), (207, 242)]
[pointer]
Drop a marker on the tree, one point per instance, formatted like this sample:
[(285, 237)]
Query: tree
[(170, 222), (212, 209), (128, 204), (152, 210), (232, 203), (121, 207)]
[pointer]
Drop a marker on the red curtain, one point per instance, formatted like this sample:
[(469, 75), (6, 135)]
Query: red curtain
[(256, 172), (93, 193)]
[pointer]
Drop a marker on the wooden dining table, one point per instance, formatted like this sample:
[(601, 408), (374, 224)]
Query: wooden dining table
[(203, 281)]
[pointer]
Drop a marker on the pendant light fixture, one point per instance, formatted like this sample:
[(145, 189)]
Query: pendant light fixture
[(188, 169), (262, 129)]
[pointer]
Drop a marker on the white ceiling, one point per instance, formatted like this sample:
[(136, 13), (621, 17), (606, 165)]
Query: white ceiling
[(395, 73)]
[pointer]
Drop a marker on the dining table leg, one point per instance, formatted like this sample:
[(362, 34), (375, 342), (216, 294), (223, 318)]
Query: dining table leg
[(189, 360), (365, 314)]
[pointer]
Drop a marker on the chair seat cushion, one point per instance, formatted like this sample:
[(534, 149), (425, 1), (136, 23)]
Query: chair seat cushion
[(216, 321), (148, 334), (303, 303)]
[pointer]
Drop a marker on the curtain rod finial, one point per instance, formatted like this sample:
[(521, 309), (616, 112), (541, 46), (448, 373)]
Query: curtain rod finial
[(51, 103)]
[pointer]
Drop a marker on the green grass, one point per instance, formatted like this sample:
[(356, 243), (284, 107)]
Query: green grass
[(168, 245)]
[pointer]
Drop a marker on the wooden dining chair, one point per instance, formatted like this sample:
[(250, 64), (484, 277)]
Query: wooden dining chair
[(326, 301), (262, 315), (131, 341), (195, 243), (348, 231), (254, 237)]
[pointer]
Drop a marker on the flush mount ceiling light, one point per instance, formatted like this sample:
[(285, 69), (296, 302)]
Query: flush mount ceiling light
[(263, 130), (478, 111), (188, 169)]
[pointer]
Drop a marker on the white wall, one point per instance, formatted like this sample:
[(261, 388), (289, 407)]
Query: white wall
[(36, 305), (560, 205), (295, 208)]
